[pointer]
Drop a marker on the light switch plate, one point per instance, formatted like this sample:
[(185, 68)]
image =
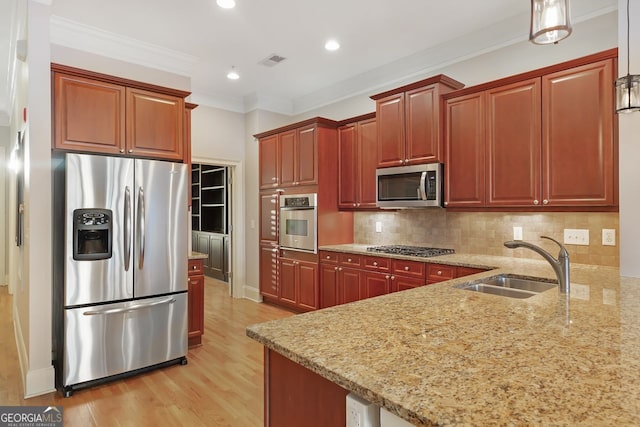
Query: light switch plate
[(517, 233), (576, 236), (378, 227)]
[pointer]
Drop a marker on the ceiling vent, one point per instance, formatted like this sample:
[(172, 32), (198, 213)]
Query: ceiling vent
[(272, 60)]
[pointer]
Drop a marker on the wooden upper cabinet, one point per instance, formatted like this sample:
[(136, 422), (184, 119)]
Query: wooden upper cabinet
[(465, 143), (578, 147), (154, 124), (98, 113), (287, 153), (306, 156), (408, 120), (390, 116), (422, 126), (89, 115), (513, 144), (357, 164), (269, 164)]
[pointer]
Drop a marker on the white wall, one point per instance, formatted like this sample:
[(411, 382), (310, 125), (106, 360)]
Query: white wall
[(629, 137), (5, 152)]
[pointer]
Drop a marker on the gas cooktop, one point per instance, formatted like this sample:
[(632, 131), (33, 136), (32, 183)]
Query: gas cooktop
[(419, 251)]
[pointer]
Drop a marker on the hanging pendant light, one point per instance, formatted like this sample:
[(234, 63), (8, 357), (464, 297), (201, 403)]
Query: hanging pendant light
[(550, 21), (628, 87)]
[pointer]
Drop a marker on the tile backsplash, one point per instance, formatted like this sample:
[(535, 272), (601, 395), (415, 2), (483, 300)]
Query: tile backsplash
[(485, 232)]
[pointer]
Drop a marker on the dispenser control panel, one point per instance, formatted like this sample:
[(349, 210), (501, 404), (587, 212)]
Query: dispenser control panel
[(92, 234)]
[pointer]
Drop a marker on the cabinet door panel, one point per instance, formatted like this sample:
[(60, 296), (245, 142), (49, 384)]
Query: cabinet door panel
[(328, 285), (307, 282), (367, 140), (390, 116), (514, 144), (195, 306), (306, 160), (401, 283), (287, 276), (577, 139), (349, 285), (88, 115), (423, 142), (269, 270), (374, 284), (154, 124), (269, 166), (347, 166), (465, 148), (203, 247), (287, 157), (269, 211)]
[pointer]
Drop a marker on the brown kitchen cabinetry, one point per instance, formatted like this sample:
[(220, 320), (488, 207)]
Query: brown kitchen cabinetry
[(104, 114), (268, 161), (409, 122), (441, 272), (298, 284), (269, 270), (540, 140), (357, 163), (195, 301), (269, 216)]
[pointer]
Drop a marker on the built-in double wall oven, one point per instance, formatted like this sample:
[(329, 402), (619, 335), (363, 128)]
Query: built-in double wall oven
[(298, 222)]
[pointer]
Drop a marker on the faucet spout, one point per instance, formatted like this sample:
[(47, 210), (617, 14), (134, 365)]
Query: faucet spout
[(560, 265)]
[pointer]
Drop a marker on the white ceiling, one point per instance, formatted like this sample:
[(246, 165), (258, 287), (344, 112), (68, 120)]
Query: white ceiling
[(382, 41)]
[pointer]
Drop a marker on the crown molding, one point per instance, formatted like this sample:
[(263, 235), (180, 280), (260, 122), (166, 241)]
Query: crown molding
[(75, 35)]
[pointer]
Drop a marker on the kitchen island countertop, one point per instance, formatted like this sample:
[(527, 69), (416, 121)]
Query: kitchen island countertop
[(438, 355)]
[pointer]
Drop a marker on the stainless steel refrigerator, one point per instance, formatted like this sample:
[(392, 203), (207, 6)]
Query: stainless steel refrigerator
[(120, 267)]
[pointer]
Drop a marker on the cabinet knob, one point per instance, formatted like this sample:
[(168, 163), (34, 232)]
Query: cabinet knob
[(328, 256), (348, 259), (439, 273), (195, 267), (446, 203), (130, 150), (122, 150), (536, 202), (375, 263), (545, 202), (335, 268), (354, 205), (406, 161), (406, 268), (339, 268), (357, 204), (274, 179), (387, 277), (189, 280), (393, 277)]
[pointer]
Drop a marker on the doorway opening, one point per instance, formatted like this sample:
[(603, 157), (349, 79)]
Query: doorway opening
[(211, 218)]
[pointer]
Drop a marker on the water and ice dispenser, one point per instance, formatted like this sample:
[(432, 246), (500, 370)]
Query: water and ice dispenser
[(92, 234)]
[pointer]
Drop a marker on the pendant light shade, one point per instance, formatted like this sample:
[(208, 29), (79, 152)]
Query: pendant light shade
[(550, 21), (628, 87)]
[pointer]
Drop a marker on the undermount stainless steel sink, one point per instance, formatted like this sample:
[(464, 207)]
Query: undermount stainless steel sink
[(509, 285)]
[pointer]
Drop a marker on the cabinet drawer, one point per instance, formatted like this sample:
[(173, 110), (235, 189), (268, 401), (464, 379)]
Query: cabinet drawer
[(377, 263), (409, 268), (331, 257), (440, 272), (466, 271), (196, 266), (350, 260)]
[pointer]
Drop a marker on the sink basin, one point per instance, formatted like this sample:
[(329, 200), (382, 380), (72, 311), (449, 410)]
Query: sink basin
[(509, 286)]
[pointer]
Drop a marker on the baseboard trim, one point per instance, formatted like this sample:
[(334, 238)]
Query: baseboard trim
[(252, 293), (37, 381)]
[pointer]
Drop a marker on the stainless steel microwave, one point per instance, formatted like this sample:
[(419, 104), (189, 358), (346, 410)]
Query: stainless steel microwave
[(417, 186)]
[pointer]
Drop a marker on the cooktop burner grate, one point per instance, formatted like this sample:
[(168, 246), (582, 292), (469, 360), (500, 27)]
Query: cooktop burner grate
[(419, 251)]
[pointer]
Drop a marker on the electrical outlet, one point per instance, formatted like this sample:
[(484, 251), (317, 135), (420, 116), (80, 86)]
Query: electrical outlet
[(576, 237), (378, 227), (361, 413), (517, 233), (608, 237)]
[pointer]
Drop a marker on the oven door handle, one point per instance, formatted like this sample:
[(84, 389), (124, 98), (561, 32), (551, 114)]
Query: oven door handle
[(422, 193)]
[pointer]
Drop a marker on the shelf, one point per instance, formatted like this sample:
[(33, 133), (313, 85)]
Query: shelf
[(215, 187), (209, 198), (213, 205)]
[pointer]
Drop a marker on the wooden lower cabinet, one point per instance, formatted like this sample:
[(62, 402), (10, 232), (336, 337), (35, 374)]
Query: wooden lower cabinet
[(441, 272), (298, 284), (195, 310), (294, 396), (400, 283), (348, 285), (374, 284)]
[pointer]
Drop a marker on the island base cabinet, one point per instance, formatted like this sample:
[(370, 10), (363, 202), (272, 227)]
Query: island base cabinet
[(294, 396)]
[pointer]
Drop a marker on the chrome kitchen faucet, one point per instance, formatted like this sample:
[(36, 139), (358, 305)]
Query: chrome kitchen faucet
[(560, 265)]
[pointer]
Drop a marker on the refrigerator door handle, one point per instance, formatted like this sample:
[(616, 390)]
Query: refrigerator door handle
[(141, 221), (127, 228), (129, 309)]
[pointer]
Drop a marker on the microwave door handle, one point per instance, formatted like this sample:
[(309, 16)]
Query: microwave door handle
[(422, 193)]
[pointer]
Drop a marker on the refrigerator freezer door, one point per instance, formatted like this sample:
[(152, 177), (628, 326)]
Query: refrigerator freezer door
[(111, 339), (161, 223), (98, 182)]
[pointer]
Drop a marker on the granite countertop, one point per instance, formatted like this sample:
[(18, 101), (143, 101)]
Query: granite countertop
[(197, 255), (437, 355)]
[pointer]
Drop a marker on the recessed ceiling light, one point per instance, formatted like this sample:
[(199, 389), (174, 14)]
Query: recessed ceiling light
[(226, 4), (233, 75), (332, 45)]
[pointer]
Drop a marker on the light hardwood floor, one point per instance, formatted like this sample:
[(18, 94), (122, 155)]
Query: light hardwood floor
[(222, 385)]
